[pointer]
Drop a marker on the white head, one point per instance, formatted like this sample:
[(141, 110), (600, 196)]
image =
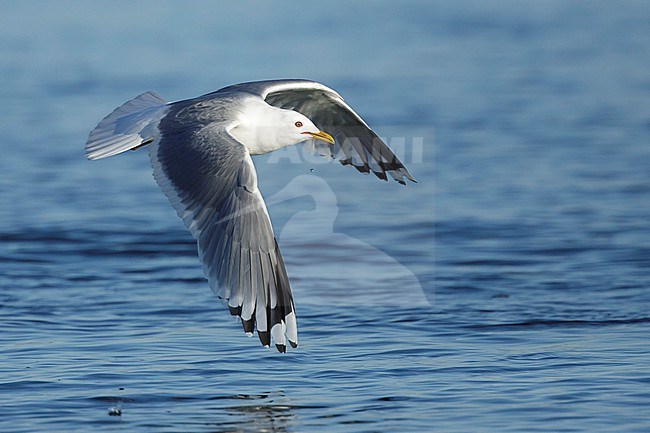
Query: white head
[(264, 128)]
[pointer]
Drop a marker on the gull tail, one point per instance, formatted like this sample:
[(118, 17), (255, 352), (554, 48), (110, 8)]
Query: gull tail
[(128, 127)]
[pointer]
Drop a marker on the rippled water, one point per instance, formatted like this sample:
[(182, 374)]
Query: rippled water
[(508, 290)]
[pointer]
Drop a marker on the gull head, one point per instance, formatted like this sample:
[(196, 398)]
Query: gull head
[(293, 128), (263, 129)]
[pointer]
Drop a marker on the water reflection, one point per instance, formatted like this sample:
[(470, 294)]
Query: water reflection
[(266, 414)]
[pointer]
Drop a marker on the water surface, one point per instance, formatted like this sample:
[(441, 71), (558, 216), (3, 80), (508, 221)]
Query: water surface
[(506, 291)]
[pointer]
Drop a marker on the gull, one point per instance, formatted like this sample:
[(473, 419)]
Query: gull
[(200, 150)]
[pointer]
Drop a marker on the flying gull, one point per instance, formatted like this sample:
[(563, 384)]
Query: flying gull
[(200, 151)]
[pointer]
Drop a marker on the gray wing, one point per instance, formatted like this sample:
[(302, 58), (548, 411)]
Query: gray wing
[(210, 180), (356, 144)]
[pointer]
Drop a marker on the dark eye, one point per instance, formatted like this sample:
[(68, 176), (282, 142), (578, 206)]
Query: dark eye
[(298, 124)]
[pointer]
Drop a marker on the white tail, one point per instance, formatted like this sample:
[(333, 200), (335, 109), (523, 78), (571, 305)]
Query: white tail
[(133, 124)]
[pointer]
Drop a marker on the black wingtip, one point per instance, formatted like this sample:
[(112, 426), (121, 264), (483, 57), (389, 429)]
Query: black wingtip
[(281, 348), (265, 338), (363, 168), (380, 174), (235, 311), (408, 175), (249, 325), (293, 344)]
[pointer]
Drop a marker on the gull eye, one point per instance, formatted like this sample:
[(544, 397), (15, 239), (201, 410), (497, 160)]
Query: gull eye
[(298, 124)]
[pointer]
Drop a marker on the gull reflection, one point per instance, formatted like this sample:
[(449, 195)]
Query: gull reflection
[(255, 413)]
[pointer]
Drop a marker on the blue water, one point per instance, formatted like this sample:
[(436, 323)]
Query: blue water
[(506, 291)]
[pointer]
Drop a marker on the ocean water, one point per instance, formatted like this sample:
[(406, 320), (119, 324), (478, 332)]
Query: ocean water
[(507, 291)]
